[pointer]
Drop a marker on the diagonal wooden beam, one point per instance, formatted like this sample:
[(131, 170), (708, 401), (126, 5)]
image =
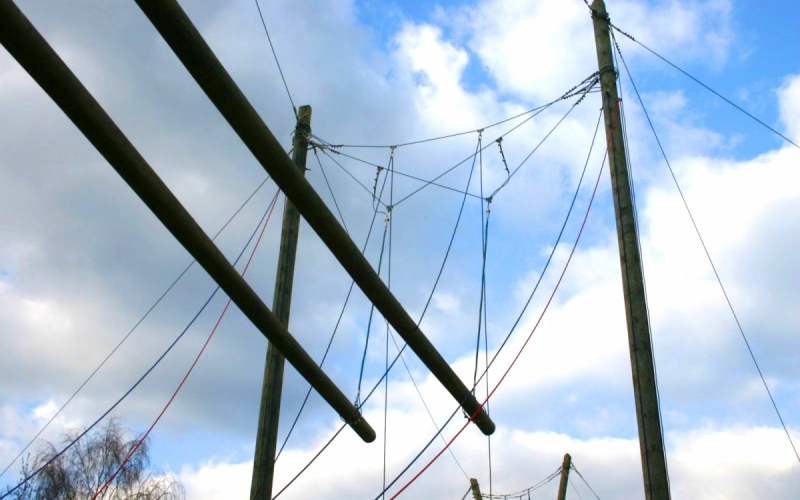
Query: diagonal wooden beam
[(35, 55), (181, 35)]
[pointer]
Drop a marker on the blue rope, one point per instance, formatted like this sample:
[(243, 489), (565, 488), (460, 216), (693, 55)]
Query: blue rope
[(335, 329), (536, 287)]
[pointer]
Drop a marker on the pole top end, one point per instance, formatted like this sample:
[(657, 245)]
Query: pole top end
[(304, 114), (599, 6)]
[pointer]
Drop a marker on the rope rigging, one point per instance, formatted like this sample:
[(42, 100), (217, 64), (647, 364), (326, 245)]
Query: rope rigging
[(482, 306), (525, 492), (708, 88), (631, 185), (275, 56), (482, 301), (399, 354), (330, 190), (194, 363), (357, 403), (708, 255), (327, 148), (577, 90), (546, 266), (514, 326), (572, 467), (386, 227), (524, 344), (149, 370), (333, 334), (595, 81), (130, 332), (388, 330), (580, 91), (467, 159)]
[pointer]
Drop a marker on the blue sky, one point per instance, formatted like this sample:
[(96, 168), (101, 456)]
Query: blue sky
[(83, 259)]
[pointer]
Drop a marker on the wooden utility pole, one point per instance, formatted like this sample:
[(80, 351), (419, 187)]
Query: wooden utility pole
[(267, 437), (562, 487), (476, 489), (654, 466)]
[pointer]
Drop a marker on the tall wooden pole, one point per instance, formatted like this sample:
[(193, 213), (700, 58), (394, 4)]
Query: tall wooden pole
[(562, 487), (654, 466), (267, 437)]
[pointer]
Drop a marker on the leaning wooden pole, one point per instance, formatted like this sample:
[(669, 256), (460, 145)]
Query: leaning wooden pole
[(35, 55), (562, 487), (654, 462), (189, 46), (268, 417)]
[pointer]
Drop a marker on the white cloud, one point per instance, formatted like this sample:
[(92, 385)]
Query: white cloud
[(745, 463), (84, 257), (707, 463), (789, 98), (437, 66), (217, 481)]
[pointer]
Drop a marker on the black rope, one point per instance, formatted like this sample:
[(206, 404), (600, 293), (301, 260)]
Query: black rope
[(579, 90), (436, 282), (399, 354), (508, 336), (634, 206), (274, 55), (470, 157), (503, 155), (536, 147), (386, 347), (372, 195), (528, 490), (324, 146), (750, 115), (483, 315), (146, 373), (711, 262), (572, 466), (483, 274), (448, 136), (427, 409), (330, 341), (330, 190), (130, 332), (372, 306)]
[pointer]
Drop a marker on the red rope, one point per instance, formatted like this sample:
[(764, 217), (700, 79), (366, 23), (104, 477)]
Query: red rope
[(530, 335), (185, 377)]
